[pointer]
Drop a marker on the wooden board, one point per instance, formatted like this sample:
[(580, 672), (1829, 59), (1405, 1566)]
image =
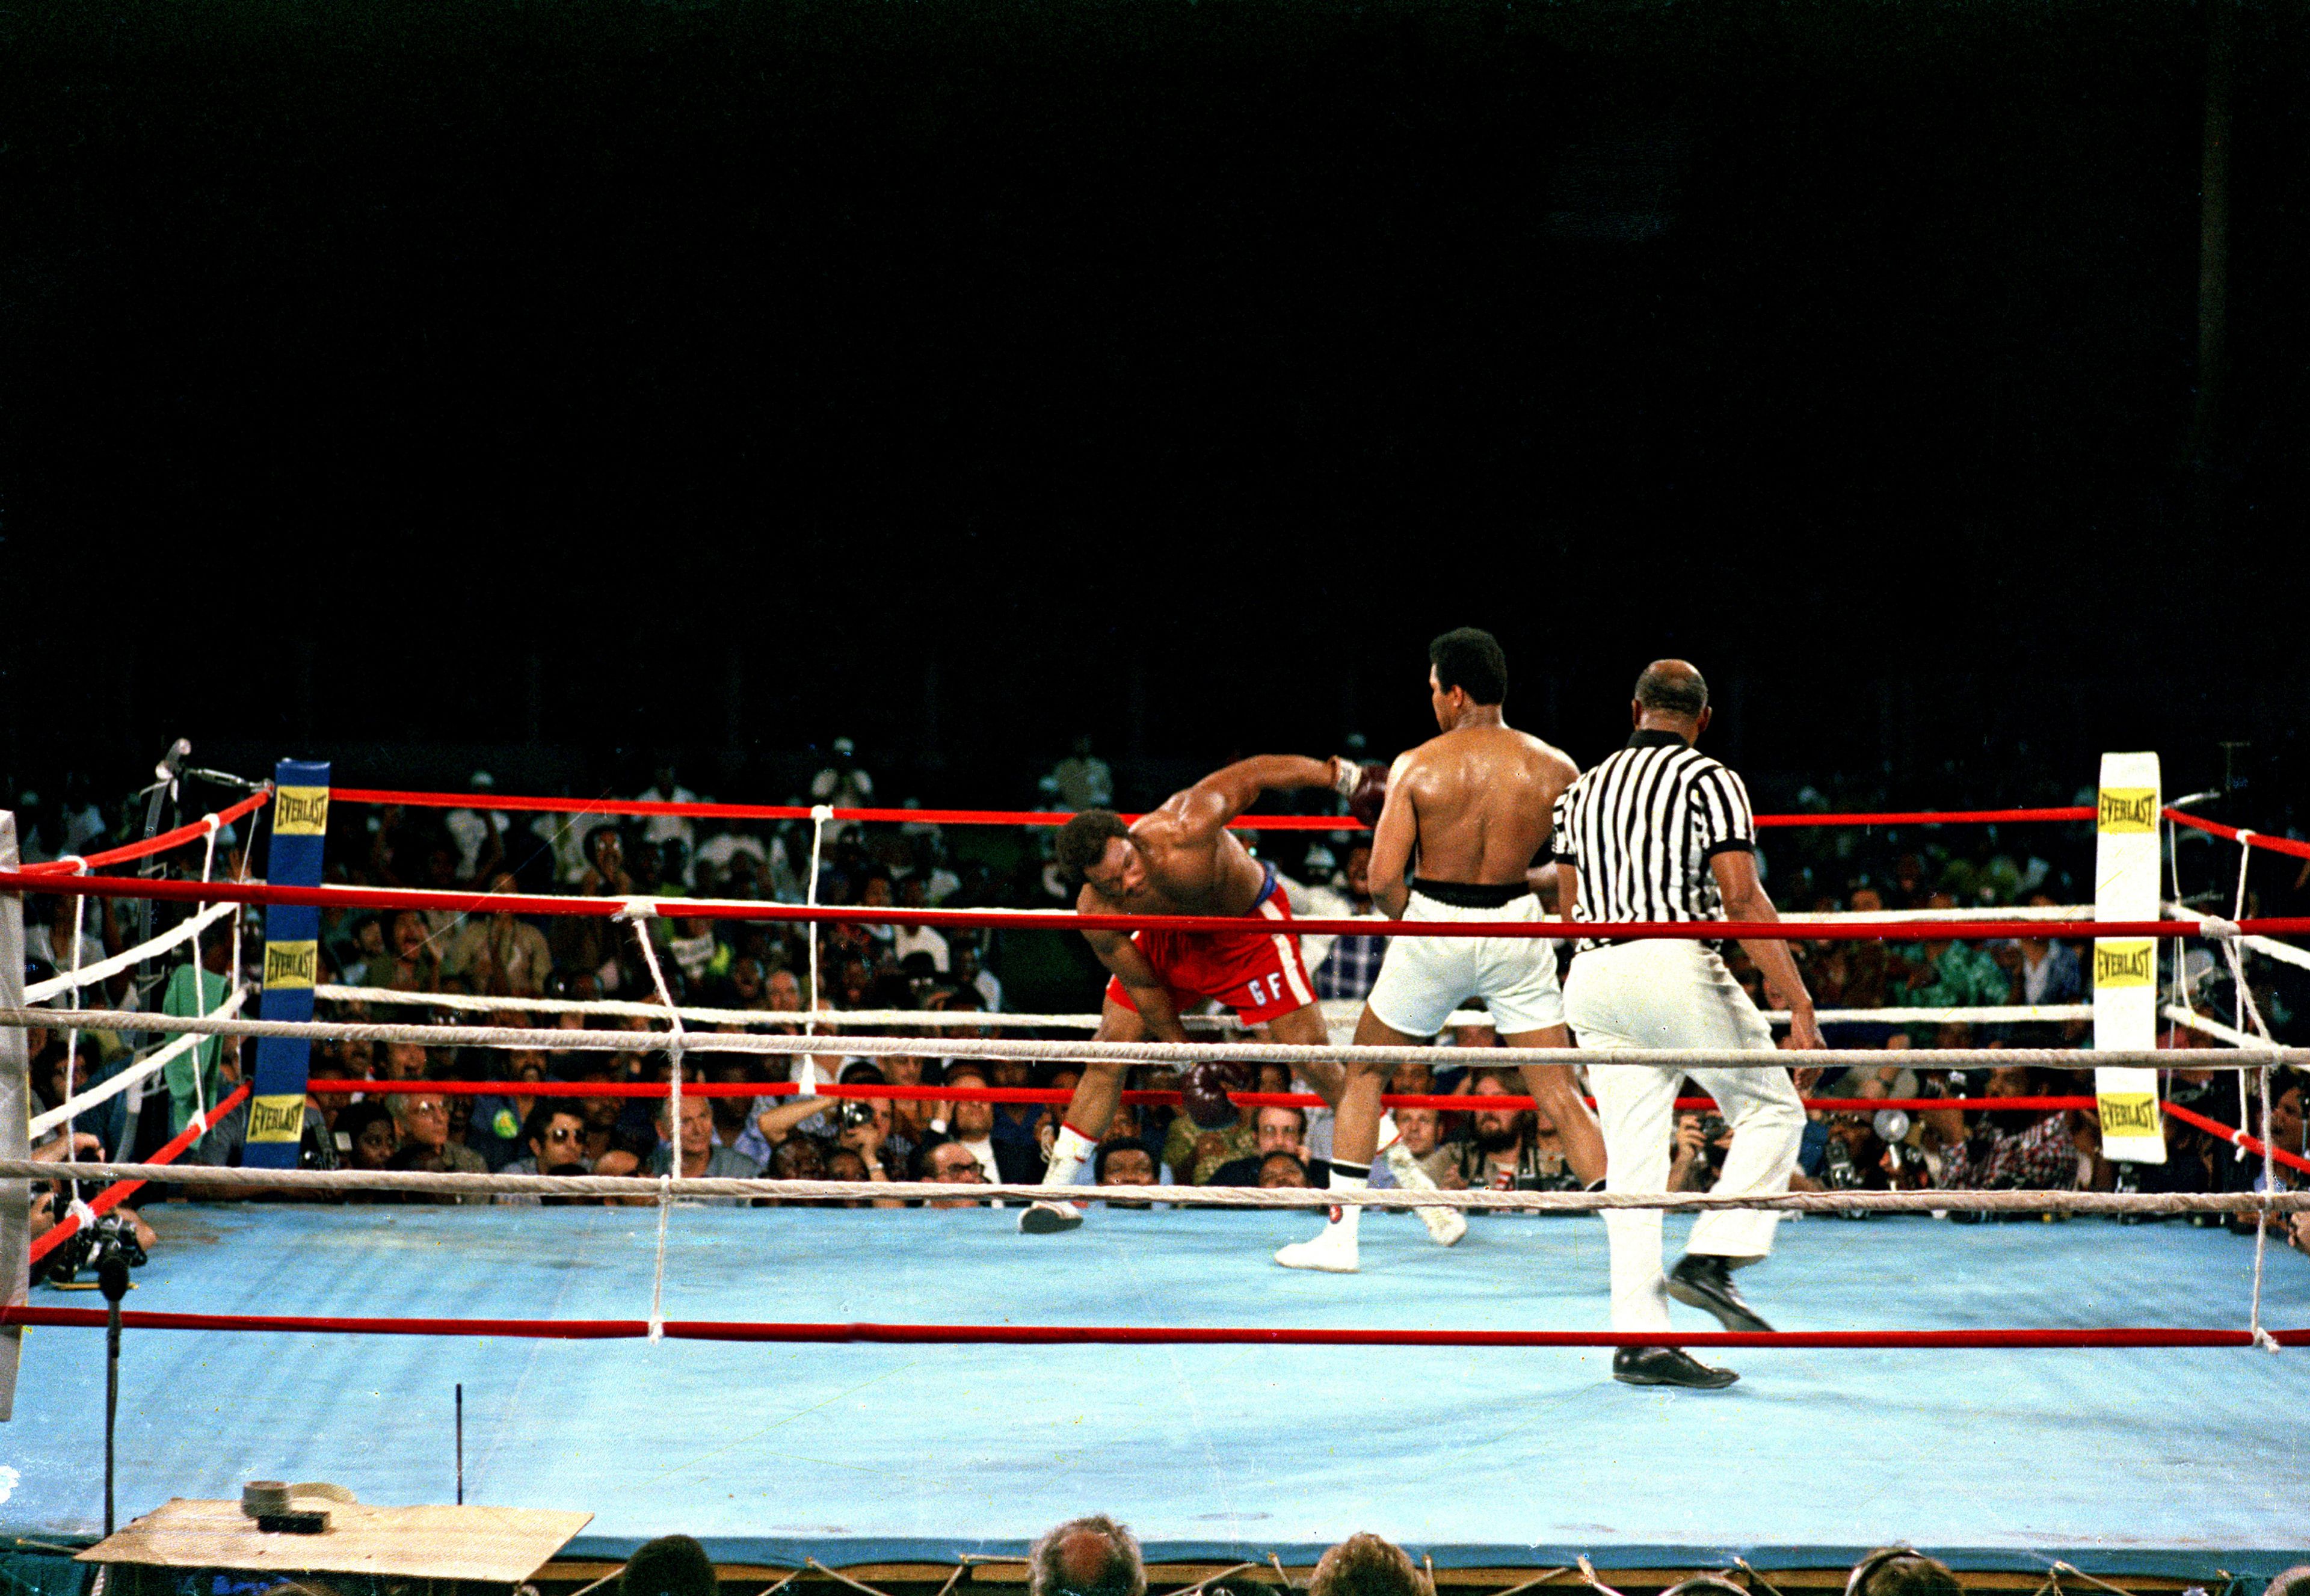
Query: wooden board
[(502, 1544)]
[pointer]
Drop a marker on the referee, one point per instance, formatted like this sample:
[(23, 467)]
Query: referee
[(1661, 831)]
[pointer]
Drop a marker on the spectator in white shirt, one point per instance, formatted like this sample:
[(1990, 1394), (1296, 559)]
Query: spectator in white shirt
[(843, 785), (918, 939), (666, 828)]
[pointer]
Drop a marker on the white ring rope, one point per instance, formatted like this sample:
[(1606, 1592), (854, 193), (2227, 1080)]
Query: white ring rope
[(217, 1177), (640, 921), (2284, 952), (1151, 1053), (1335, 1010), (200, 986), (144, 1070), (79, 978), (806, 1073)]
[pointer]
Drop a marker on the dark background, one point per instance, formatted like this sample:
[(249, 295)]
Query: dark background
[(555, 386)]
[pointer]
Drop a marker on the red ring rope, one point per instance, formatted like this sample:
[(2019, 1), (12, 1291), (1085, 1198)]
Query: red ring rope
[(1131, 1335), (2253, 840), (113, 1196), (2230, 1133), (518, 903), (1045, 817), (152, 844)]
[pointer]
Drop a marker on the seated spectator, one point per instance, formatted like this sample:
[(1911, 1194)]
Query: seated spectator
[(404, 1060), (1086, 1556), (1277, 1171), (798, 1157), (499, 1124), (851, 1163), (423, 1119), (1194, 1154), (949, 1163), (1897, 1571), (1509, 1149), (1950, 974), (1421, 1131), (968, 970), (412, 963), (1368, 1566), (500, 954), (914, 893), (2051, 970), (701, 1158), (2027, 1149), (1123, 1164), (555, 1137), (1273, 1131), (369, 1137), (1351, 964), (1012, 1160), (670, 1566)]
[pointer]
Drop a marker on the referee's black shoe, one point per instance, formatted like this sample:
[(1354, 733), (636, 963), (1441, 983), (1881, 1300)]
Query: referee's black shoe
[(1701, 1281), (1667, 1366)]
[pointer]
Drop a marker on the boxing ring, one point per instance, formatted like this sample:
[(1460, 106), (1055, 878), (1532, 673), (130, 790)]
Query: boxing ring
[(2119, 1460), (868, 1386)]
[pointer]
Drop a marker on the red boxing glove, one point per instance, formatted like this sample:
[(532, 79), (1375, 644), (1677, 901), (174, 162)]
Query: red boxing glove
[(1371, 792), (1203, 1091)]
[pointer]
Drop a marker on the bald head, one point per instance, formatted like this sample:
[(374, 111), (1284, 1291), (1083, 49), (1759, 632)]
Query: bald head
[(1087, 1557), (1671, 690)]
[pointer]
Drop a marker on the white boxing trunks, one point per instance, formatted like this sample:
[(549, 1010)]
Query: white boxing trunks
[(1422, 979)]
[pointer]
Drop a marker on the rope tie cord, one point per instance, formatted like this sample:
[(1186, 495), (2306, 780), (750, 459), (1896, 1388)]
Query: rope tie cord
[(640, 918), (657, 1273), (72, 905), (806, 1071)]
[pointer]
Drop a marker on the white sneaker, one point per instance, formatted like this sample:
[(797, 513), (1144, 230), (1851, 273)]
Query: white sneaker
[(1048, 1219), (1333, 1250), (1444, 1224)]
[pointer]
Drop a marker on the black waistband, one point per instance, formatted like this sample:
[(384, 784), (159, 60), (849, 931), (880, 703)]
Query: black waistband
[(1466, 895)]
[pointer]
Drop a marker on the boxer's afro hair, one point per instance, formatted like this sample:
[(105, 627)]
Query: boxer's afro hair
[(1082, 840)]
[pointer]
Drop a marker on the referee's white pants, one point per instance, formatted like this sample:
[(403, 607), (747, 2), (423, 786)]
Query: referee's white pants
[(1678, 994)]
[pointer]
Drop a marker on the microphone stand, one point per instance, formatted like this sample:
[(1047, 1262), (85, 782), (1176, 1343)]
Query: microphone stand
[(112, 1278)]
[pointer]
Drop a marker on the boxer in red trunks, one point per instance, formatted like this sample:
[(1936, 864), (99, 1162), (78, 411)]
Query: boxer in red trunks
[(1181, 859)]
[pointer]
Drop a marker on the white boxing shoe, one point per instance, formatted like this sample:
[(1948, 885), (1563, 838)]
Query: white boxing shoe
[(1444, 1224), (1048, 1219), (1333, 1251)]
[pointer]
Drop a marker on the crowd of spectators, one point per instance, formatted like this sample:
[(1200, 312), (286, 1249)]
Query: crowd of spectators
[(759, 976), (1095, 1555)]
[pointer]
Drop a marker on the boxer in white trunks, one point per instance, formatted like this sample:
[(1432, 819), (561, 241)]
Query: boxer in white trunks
[(1476, 803)]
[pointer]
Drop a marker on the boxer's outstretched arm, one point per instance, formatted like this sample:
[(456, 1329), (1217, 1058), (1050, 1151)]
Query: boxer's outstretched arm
[(1393, 840), (1149, 995), (1223, 795)]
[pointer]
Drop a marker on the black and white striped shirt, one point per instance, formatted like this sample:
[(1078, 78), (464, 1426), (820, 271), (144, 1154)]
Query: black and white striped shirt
[(1641, 827)]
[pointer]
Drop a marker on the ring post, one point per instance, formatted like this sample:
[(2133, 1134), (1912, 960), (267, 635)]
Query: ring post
[(15, 1125), (2125, 968), (292, 936)]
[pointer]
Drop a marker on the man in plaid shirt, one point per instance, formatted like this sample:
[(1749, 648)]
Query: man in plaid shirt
[(1349, 968), (2013, 1149)]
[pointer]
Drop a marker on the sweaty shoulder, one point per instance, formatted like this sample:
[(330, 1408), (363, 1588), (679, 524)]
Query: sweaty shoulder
[(1554, 766)]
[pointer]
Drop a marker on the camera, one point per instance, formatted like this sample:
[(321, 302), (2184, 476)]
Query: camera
[(852, 1112), (87, 1247)]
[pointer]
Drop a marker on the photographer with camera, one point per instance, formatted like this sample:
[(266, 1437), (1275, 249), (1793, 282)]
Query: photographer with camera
[(2027, 1149), (1697, 1156), (1509, 1149)]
